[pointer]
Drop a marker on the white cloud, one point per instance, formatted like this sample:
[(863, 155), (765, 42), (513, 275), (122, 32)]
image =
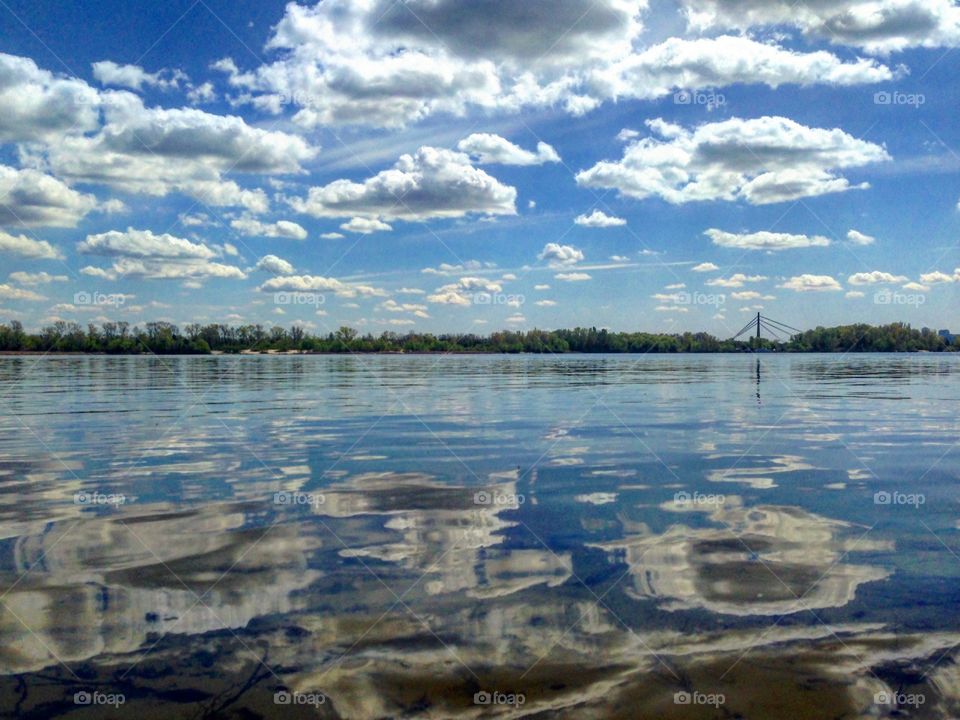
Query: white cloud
[(854, 294), (762, 160), (275, 265), (201, 94), (916, 287), (365, 226), (516, 319), (558, 256), (28, 247), (40, 278), (141, 253), (877, 26), (97, 272), (764, 240), (332, 236), (280, 229), (317, 283), (937, 278), (381, 63), (705, 267), (736, 280), (155, 151), (487, 148), (432, 183), (466, 266), (811, 283), (462, 292), (135, 77), (699, 63), (38, 105), (750, 295), (30, 198), (599, 219), (143, 244), (858, 238), (874, 277), (541, 287), (8, 292), (572, 277), (546, 303)]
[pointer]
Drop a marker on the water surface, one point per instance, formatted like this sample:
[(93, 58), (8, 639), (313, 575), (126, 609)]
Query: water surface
[(409, 536)]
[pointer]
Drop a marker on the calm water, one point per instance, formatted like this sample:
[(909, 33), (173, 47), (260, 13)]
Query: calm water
[(385, 537)]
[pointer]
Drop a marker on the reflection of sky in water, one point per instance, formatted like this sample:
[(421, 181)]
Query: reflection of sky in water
[(644, 526)]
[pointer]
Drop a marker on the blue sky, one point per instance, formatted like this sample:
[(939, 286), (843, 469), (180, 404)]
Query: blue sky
[(422, 165)]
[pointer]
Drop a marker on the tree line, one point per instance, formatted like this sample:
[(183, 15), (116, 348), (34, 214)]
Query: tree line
[(163, 338)]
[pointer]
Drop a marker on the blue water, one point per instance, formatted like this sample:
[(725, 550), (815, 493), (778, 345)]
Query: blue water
[(492, 536)]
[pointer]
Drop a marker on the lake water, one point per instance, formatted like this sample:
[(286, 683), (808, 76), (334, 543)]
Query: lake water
[(447, 536)]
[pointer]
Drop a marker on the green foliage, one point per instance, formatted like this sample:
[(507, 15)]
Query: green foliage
[(163, 338)]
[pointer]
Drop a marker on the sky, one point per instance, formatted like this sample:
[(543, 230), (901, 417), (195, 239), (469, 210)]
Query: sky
[(480, 165)]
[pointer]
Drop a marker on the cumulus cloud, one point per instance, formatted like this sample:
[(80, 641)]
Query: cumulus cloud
[(431, 183), (572, 277), (30, 198), (464, 291), (558, 256), (8, 292), (762, 160), (275, 265), (280, 229), (736, 280), (874, 277), (155, 151), (383, 63), (135, 77), (459, 269), (142, 253), (938, 278), (764, 240), (318, 283), (599, 219), (811, 283), (858, 238), (717, 62), (365, 226), (877, 26), (143, 244), (28, 247), (40, 106), (486, 148), (40, 278), (705, 267)]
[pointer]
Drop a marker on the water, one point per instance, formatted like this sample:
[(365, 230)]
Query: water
[(388, 536)]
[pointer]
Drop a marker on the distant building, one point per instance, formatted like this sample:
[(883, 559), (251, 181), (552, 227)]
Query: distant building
[(948, 337)]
